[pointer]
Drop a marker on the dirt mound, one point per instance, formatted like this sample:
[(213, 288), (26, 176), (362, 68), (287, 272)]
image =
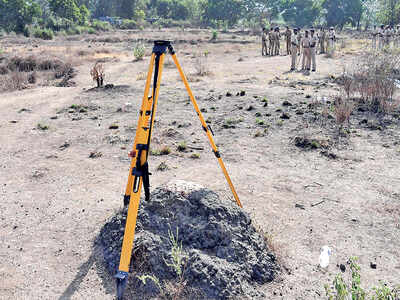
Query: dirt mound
[(225, 255)]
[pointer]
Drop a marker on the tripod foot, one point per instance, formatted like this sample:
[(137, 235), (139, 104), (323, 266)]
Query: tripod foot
[(122, 279)]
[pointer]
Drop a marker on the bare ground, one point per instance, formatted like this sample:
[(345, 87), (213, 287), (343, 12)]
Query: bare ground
[(55, 199)]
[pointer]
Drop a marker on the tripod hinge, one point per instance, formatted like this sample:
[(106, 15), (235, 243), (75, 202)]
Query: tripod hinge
[(217, 154), (142, 147), (208, 127)]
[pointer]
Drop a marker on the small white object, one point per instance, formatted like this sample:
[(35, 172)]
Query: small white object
[(127, 107), (324, 256)]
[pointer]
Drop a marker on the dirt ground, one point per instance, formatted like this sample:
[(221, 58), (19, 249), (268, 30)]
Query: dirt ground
[(55, 198)]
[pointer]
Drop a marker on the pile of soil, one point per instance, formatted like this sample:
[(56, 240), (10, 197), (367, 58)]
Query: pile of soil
[(225, 256)]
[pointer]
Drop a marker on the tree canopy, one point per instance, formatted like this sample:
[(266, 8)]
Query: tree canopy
[(16, 14)]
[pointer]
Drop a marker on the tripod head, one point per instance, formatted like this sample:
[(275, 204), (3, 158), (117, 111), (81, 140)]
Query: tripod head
[(161, 46)]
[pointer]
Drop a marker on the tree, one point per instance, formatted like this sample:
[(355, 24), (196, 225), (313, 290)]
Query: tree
[(66, 9), (84, 13), (353, 10), (224, 10), (300, 12), (16, 14), (389, 11)]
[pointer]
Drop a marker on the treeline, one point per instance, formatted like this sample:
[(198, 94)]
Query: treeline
[(61, 15)]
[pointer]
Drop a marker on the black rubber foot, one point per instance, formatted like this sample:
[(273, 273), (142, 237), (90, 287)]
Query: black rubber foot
[(122, 279), (127, 198)]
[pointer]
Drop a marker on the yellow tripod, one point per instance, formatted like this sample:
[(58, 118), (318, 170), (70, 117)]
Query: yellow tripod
[(139, 170)]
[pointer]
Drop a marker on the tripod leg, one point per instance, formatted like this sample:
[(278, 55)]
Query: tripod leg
[(144, 109), (206, 128), (142, 144)]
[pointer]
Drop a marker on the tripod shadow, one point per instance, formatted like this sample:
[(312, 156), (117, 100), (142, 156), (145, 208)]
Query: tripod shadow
[(107, 281)]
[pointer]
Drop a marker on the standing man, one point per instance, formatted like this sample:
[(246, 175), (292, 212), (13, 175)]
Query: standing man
[(271, 39), (277, 41), (264, 50), (294, 43), (381, 34), (305, 43), (322, 38), (299, 37), (331, 40), (374, 36), (313, 49), (288, 35)]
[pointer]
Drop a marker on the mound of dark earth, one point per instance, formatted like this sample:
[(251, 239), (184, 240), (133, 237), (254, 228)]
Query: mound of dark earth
[(225, 256)]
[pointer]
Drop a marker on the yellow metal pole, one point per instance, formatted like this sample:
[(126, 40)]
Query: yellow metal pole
[(144, 108), (143, 136), (206, 129)]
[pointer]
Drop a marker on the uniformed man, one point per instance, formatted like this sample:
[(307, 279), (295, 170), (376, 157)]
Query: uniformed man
[(299, 37), (313, 50), (294, 43), (288, 35), (277, 41), (305, 44), (331, 40), (374, 35), (264, 51), (271, 40), (381, 34)]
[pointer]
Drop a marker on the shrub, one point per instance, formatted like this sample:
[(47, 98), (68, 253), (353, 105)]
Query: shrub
[(202, 65), (97, 73), (182, 146), (139, 51), (13, 81), (101, 26), (128, 24), (352, 289), (32, 77), (214, 35), (44, 34), (91, 30)]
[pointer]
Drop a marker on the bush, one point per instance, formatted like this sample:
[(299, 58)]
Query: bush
[(139, 51), (91, 30), (101, 26), (214, 35), (128, 24), (352, 289), (44, 34)]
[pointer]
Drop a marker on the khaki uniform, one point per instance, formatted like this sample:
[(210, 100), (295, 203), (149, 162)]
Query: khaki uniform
[(271, 43), (381, 33), (288, 35), (299, 37), (264, 50), (294, 43), (331, 41), (313, 50), (374, 37), (277, 43), (305, 44), (322, 39)]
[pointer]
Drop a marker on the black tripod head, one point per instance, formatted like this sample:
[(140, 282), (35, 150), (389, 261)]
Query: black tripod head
[(160, 47)]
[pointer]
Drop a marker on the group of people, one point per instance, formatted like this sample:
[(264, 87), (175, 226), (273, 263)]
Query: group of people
[(385, 36), (305, 44)]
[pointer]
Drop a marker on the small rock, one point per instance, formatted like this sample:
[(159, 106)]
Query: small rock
[(64, 146), (13, 122), (95, 154), (108, 86), (308, 96), (342, 268), (113, 126), (229, 94), (286, 103), (242, 93), (54, 117), (285, 116), (373, 265), (250, 107), (299, 112)]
